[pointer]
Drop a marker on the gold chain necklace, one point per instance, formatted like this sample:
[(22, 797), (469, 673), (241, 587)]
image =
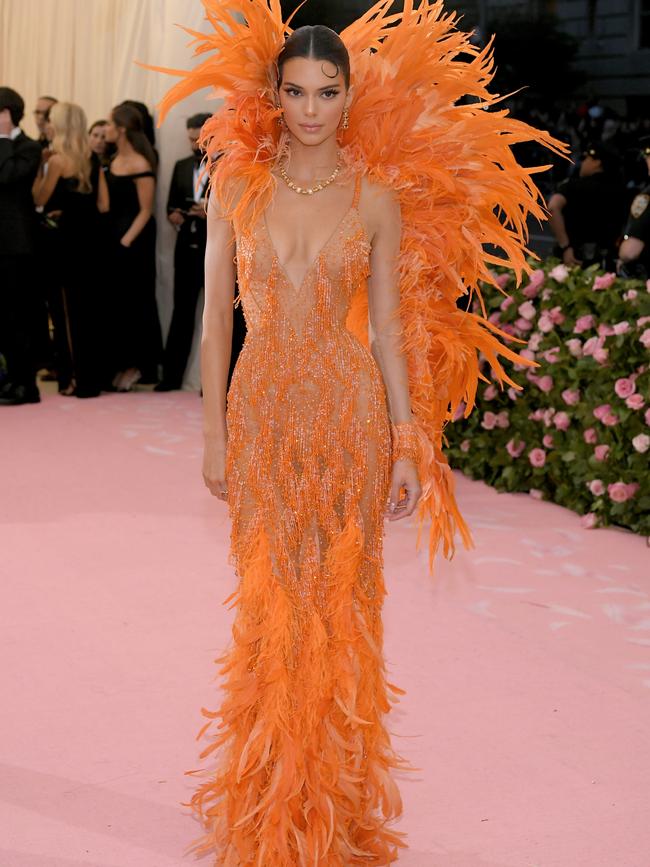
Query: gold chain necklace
[(309, 191)]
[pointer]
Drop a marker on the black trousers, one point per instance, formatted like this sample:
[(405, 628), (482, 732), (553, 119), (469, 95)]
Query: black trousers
[(17, 319), (188, 282)]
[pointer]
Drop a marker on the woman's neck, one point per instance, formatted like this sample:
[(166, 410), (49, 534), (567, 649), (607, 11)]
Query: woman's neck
[(125, 148), (312, 162)]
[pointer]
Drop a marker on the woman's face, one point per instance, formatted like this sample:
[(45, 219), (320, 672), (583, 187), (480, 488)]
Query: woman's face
[(97, 139), (111, 132), (313, 95)]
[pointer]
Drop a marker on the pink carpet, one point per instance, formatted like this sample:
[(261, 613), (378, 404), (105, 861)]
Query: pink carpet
[(526, 662)]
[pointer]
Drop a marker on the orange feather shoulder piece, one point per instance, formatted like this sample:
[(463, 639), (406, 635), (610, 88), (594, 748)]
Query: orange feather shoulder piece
[(423, 123)]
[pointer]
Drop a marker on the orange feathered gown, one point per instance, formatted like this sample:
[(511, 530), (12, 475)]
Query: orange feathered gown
[(301, 762)]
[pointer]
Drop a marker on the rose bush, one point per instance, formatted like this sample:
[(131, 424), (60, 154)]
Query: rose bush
[(579, 432)]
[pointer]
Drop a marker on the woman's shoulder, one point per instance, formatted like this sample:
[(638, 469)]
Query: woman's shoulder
[(377, 193)]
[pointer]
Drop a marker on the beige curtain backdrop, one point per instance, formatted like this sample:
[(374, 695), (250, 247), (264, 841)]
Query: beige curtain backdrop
[(83, 51)]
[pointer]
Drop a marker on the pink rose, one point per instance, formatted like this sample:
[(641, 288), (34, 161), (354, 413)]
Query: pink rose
[(489, 421), (528, 354), (502, 420), (513, 394), (600, 355), (537, 457), (536, 278), (547, 416), (610, 419), (641, 443), (508, 328), (601, 411), (596, 487), (535, 340), (523, 324), (622, 327), (630, 295), (589, 521), (604, 281), (545, 383), (548, 441), (619, 492), (490, 392), (635, 401), (551, 355), (590, 436), (464, 446), (527, 310), (645, 338), (460, 411), (605, 330), (502, 280), (494, 318), (559, 273), (507, 302), (647, 417), (556, 315), (536, 494), (571, 397), (601, 453), (641, 321), (514, 448), (575, 347), (530, 291), (545, 322), (561, 421), (538, 415), (624, 387), (584, 323), (592, 344)]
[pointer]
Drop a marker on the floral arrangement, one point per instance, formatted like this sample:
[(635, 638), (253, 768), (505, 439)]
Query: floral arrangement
[(578, 433)]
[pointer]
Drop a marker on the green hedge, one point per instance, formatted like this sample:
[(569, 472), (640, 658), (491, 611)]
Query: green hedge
[(579, 432)]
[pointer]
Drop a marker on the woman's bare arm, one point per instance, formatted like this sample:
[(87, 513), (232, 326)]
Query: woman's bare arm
[(216, 343), (386, 338), (44, 183), (103, 198)]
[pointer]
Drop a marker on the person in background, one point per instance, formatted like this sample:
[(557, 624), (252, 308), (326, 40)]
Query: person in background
[(20, 157), (80, 189), (41, 117), (186, 212), (136, 338), (97, 142), (634, 252), (588, 212)]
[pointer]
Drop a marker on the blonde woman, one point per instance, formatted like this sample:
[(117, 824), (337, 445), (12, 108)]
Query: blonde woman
[(75, 188)]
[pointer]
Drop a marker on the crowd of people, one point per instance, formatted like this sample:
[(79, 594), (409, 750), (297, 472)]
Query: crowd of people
[(78, 251), (78, 236)]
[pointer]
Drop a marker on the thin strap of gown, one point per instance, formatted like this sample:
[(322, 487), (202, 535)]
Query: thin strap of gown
[(357, 191)]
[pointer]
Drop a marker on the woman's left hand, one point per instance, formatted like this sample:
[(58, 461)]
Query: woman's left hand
[(405, 475)]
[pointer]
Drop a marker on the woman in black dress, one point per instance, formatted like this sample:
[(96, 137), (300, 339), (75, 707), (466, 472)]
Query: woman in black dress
[(136, 335), (78, 188)]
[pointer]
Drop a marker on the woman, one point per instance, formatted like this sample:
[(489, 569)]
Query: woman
[(323, 182), (136, 336), (80, 194)]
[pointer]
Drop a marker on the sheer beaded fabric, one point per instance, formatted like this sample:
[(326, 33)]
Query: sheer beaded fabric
[(305, 760)]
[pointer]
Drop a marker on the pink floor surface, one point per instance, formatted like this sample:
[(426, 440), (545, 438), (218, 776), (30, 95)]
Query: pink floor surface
[(526, 661)]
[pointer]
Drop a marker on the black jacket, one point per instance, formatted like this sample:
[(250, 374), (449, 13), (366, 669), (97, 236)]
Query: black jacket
[(181, 195), (19, 162)]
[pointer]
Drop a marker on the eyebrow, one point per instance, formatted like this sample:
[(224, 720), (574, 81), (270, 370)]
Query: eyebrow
[(300, 87)]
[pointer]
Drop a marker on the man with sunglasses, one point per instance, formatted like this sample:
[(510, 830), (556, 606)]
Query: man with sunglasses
[(41, 117), (634, 252), (588, 211)]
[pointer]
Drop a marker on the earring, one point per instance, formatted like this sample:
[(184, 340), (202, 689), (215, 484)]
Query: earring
[(346, 119), (280, 117)]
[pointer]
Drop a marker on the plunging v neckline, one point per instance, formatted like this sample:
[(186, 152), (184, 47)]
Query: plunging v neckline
[(316, 259)]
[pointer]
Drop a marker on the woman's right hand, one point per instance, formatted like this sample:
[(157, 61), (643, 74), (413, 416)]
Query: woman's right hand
[(214, 468)]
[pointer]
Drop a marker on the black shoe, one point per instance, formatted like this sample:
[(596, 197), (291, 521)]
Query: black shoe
[(18, 395), (166, 386)]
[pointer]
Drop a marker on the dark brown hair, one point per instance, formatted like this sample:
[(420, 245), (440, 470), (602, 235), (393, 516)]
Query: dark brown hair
[(316, 42), (130, 119)]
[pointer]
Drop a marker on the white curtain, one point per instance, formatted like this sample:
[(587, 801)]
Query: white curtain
[(84, 51)]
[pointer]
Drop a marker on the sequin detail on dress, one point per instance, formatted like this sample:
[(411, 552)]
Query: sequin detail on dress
[(304, 772)]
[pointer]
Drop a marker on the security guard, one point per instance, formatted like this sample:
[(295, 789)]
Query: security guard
[(587, 213), (634, 252)]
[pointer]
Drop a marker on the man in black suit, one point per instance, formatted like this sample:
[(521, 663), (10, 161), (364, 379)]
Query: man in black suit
[(20, 158), (186, 212)]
